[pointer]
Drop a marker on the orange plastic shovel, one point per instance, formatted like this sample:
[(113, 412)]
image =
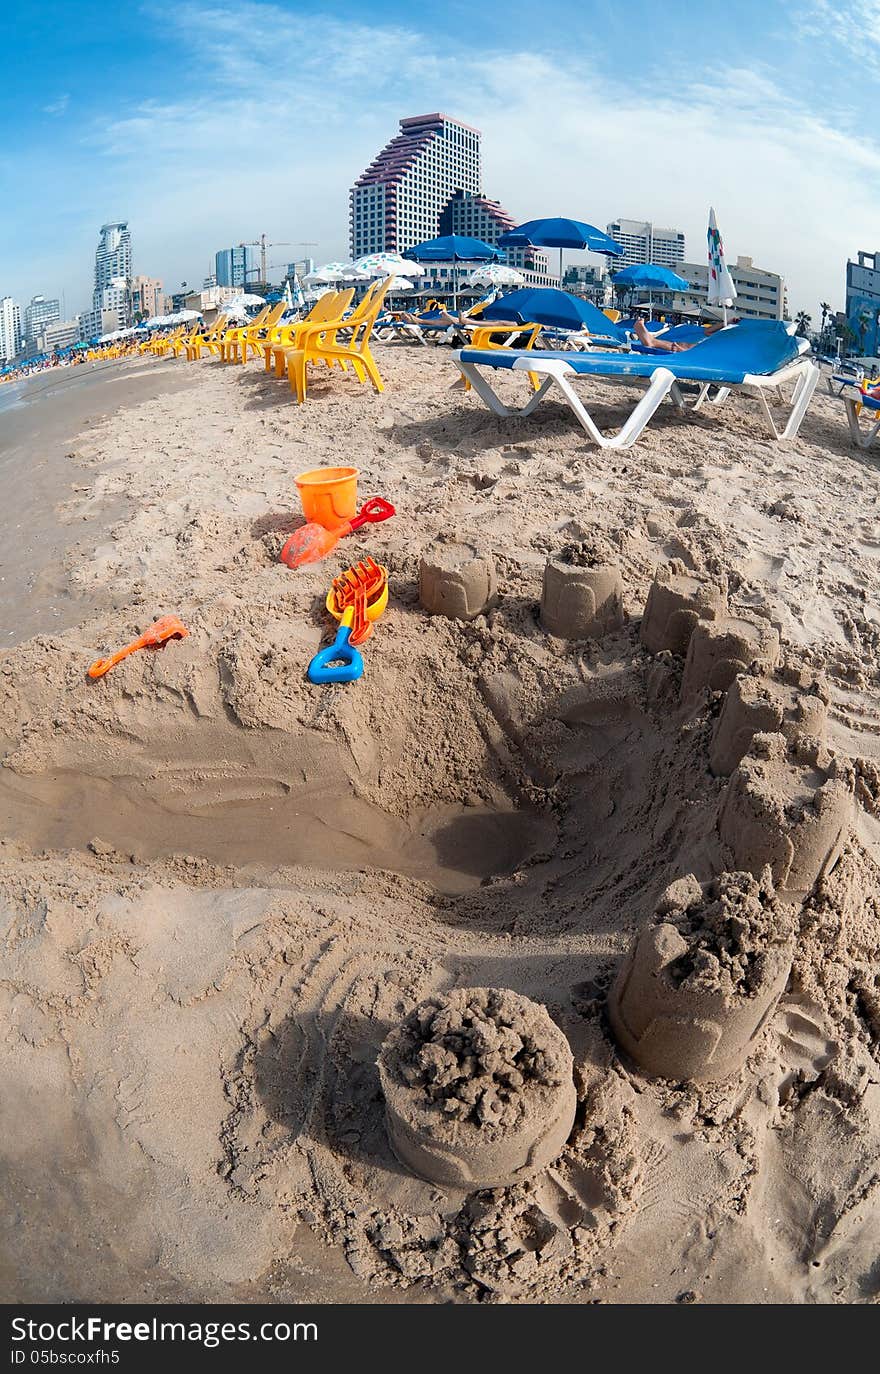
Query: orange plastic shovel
[(169, 627), (312, 541)]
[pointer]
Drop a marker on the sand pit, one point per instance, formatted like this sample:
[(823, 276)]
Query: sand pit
[(222, 888)]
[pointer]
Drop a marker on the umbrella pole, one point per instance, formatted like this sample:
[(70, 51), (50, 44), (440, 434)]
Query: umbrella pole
[(560, 268)]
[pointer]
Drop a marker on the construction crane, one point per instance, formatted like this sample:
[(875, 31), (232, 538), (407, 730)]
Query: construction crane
[(263, 243)]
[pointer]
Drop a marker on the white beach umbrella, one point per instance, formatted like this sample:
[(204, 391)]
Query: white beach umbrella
[(721, 288), (386, 265), (495, 274), (246, 298), (401, 284)]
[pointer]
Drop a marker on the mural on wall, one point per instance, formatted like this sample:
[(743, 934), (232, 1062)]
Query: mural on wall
[(863, 303)]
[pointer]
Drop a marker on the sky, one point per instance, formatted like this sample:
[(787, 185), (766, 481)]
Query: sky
[(205, 124)]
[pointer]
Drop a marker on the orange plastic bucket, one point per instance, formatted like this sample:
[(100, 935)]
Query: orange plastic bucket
[(328, 495)]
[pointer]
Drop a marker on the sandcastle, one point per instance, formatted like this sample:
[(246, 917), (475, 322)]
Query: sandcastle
[(677, 601), (478, 1088), (796, 708), (457, 580), (582, 595), (700, 983), (720, 649), (786, 808)]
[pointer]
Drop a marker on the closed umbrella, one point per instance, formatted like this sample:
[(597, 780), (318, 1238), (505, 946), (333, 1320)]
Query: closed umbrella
[(560, 233), (454, 248), (721, 288)]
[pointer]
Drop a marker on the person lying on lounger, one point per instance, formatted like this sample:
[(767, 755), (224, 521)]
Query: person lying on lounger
[(662, 345)]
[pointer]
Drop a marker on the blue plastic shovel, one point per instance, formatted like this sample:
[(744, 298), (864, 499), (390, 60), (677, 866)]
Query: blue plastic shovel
[(340, 661)]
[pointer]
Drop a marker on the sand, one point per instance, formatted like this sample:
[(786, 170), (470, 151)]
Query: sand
[(221, 888)]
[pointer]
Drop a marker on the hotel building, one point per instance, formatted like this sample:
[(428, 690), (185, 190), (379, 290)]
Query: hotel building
[(643, 241), (478, 217), (428, 181), (399, 199), (113, 272), (760, 295), (37, 315), (10, 328)]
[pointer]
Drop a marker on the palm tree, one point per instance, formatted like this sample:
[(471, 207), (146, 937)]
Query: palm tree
[(803, 322)]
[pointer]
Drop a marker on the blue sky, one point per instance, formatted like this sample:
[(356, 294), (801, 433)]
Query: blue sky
[(204, 124)]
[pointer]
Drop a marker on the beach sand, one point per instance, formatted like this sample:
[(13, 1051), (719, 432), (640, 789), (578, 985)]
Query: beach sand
[(221, 886)]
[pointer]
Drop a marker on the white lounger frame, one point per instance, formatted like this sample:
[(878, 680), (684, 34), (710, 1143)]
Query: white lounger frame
[(863, 437), (661, 384)]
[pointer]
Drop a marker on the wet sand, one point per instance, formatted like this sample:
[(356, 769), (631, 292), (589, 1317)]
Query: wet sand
[(40, 419)]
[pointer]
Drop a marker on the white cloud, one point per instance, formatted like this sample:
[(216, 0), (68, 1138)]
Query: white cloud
[(279, 113), (59, 106)]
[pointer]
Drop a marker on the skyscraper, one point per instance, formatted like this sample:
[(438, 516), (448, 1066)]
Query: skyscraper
[(643, 241), (113, 271), (38, 314), (10, 328), (235, 266), (398, 200)]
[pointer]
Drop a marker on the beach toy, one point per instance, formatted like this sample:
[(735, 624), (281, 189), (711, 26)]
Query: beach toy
[(340, 661), (370, 577), (328, 495), (314, 540), (169, 627)]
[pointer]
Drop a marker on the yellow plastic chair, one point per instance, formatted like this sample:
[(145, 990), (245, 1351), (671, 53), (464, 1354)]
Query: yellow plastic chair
[(335, 322), (162, 344), (201, 336), (185, 342), (484, 337), (321, 343), (329, 307), (253, 336), (213, 341), (233, 344), (613, 315)]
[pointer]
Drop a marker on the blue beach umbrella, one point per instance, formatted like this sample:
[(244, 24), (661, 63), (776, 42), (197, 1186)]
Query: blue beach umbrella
[(454, 248), (547, 305), (650, 276), (560, 233)]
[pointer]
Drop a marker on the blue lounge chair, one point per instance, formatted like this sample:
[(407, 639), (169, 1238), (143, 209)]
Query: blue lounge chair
[(754, 359)]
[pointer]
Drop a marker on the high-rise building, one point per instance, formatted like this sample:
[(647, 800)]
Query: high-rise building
[(37, 315), (236, 266), (10, 328), (399, 199), (113, 271), (863, 302), (93, 323), (760, 295), (478, 217), (146, 297), (645, 242)]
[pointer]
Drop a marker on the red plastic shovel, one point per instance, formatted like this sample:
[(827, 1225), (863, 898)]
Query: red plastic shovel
[(312, 541)]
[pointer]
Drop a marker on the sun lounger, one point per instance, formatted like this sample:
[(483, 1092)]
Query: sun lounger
[(761, 357), (857, 401)]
